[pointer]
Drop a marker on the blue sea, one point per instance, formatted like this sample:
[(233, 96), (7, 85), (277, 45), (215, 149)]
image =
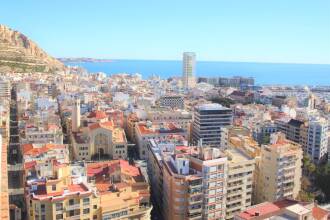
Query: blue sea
[(264, 73)]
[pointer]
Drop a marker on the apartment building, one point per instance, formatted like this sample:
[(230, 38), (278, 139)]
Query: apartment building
[(57, 196), (263, 130), (209, 124), (180, 117), (191, 181), (42, 134), (172, 101), (292, 128), (4, 197), (241, 167), (122, 189), (5, 88), (280, 171), (145, 131), (102, 190), (316, 144)]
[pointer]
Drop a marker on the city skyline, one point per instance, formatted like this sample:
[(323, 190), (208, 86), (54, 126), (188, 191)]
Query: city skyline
[(275, 32)]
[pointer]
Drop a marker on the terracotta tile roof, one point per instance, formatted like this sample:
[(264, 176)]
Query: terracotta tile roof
[(97, 114), (41, 192), (259, 210), (101, 168), (33, 150), (107, 125), (319, 213), (29, 165)]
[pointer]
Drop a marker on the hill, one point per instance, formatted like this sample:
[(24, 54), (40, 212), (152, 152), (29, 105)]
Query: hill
[(19, 54)]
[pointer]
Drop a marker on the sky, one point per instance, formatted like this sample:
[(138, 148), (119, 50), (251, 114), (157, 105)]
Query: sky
[(288, 31)]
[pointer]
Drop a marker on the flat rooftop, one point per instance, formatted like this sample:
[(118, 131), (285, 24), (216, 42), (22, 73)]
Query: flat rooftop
[(211, 106)]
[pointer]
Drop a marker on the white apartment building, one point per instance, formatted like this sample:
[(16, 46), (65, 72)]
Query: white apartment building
[(317, 138)]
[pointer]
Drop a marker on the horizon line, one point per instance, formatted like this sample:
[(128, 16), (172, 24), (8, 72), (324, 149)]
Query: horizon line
[(108, 60)]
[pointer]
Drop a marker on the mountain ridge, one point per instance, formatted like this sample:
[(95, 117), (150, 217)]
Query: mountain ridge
[(20, 54)]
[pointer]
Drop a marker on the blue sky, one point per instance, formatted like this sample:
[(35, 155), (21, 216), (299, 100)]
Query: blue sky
[(291, 31)]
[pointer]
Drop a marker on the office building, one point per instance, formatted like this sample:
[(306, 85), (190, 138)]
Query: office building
[(189, 69), (210, 122)]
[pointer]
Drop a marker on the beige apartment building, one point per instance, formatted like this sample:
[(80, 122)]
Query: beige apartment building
[(59, 197), (103, 190), (241, 168), (279, 169)]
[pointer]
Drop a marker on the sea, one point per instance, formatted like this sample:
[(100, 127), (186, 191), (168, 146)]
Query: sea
[(264, 73)]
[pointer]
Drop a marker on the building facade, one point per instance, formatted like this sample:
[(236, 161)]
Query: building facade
[(209, 124), (279, 169), (189, 69)]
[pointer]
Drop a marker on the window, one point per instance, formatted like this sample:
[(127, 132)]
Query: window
[(53, 187), (71, 213), (86, 201), (59, 216), (95, 206), (59, 206), (86, 211), (71, 202)]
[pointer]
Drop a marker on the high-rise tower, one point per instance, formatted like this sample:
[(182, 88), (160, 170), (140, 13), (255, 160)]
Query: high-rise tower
[(76, 115), (188, 69)]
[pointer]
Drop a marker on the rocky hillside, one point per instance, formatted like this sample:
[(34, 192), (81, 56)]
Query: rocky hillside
[(20, 54)]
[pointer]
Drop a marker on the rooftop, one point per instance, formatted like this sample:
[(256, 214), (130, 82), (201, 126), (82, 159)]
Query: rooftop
[(211, 106)]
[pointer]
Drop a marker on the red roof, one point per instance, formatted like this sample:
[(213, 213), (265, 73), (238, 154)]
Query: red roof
[(97, 114), (77, 188), (100, 168), (30, 149), (106, 125), (259, 210), (29, 165), (319, 213)]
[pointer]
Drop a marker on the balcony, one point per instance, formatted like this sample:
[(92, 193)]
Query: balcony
[(196, 193), (72, 207), (231, 186), (195, 211), (196, 216), (74, 217), (86, 203), (236, 192), (195, 201), (233, 207)]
